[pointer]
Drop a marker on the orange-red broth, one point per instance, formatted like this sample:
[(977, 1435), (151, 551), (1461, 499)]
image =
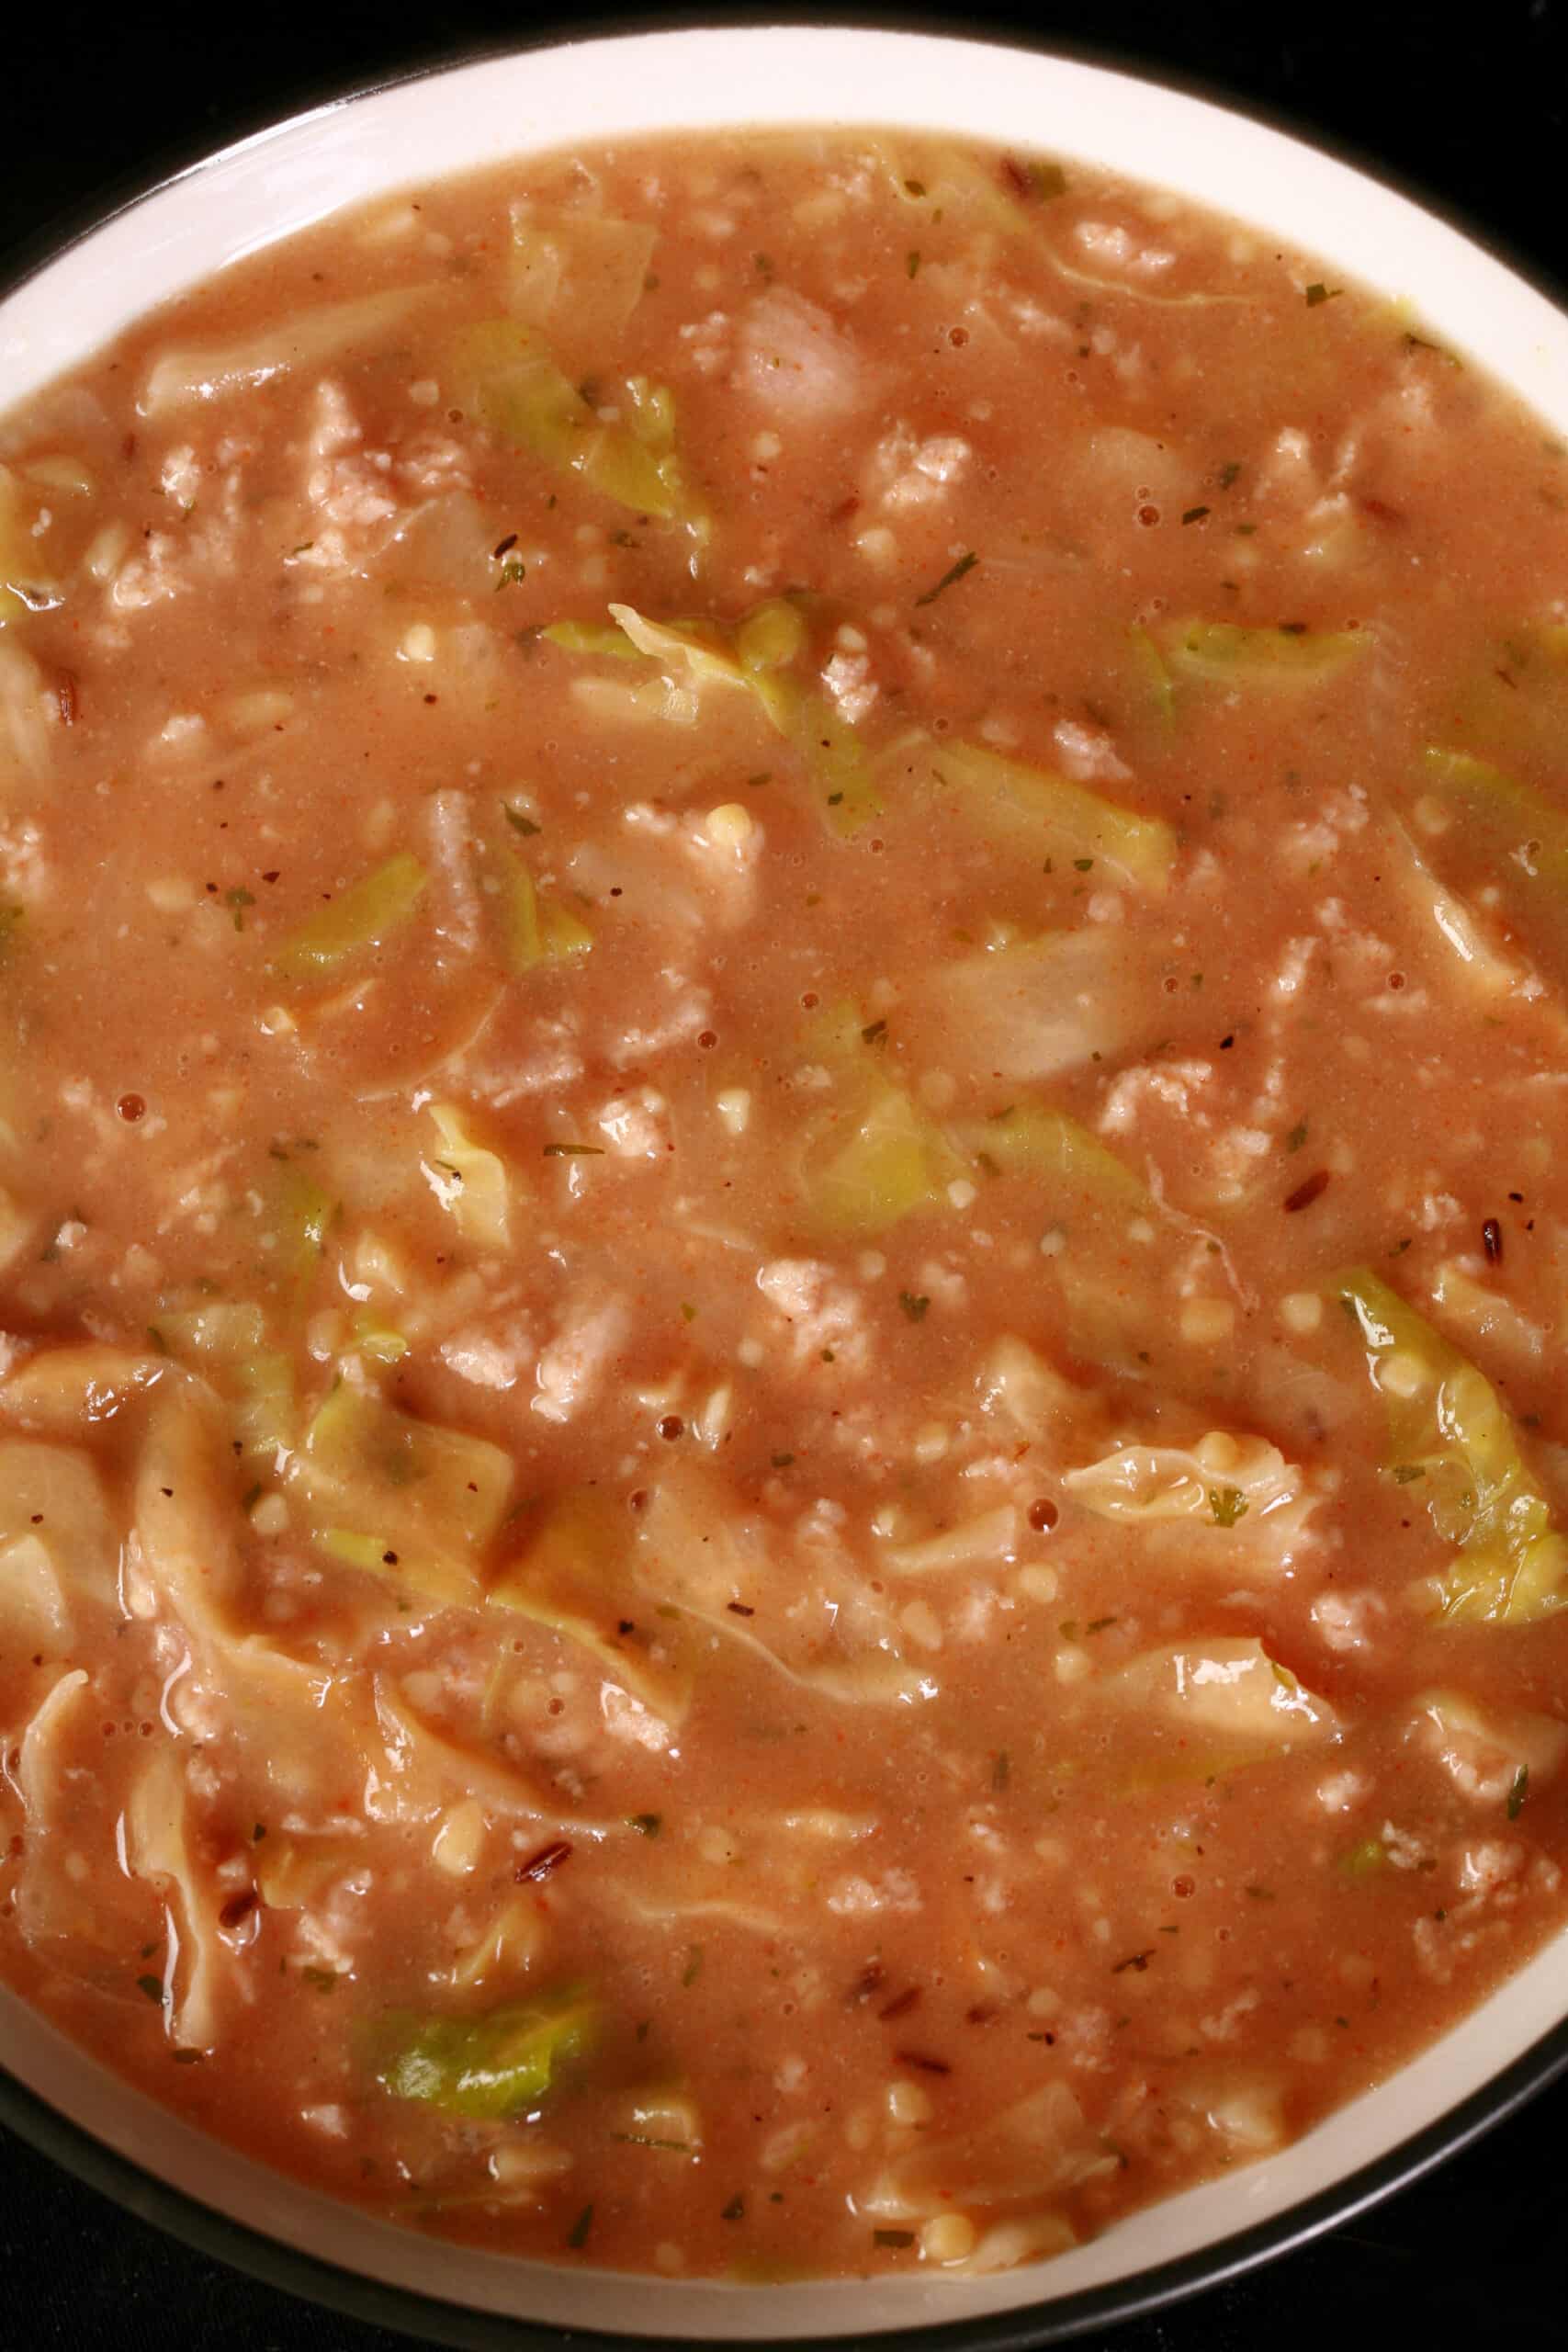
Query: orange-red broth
[(793, 1095)]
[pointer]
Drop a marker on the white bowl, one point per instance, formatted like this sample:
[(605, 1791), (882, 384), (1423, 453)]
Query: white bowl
[(363, 146)]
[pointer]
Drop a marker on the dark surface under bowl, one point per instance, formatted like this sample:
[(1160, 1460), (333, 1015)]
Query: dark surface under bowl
[(1467, 111)]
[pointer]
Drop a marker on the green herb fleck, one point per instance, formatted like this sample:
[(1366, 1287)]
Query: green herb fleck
[(735, 2210), (518, 821), (873, 1032), (1194, 514), (1229, 472), (693, 1965), (574, 1151), (237, 900), (1518, 1793), (577, 2236), (1044, 180), (153, 1987), (1001, 1769), (1297, 1136), (320, 1979), (892, 2237), (1084, 864), (1317, 292), (954, 571), (1228, 1504), (913, 264), (913, 1304), (511, 572), (647, 1825)]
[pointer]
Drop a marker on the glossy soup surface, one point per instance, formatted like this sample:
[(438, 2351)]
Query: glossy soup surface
[(784, 1233)]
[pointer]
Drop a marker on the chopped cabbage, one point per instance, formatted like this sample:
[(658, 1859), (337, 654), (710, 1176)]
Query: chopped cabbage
[(1451, 1444), (1489, 1753), (894, 1162), (430, 1498), (1015, 1381), (1514, 707), (469, 1182), (1235, 1500), (308, 339), (575, 1575), (585, 270), (591, 637), (221, 1331), (158, 1847), (21, 588), (1488, 966), (1227, 1684), (23, 723), (494, 2068), (522, 395), (756, 656), (989, 1539), (1040, 2146), (361, 916), (50, 1902), (1223, 653), (1485, 1312), (1525, 828), (228, 1341), (1104, 1217), (57, 1540), (508, 1946), (539, 930), (294, 1873), (953, 186), (422, 1767), (694, 1556), (1152, 672), (1035, 1008), (61, 1391), (1063, 820)]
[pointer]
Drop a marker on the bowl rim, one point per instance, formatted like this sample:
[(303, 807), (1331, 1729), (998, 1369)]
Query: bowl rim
[(1028, 2327), (203, 2228)]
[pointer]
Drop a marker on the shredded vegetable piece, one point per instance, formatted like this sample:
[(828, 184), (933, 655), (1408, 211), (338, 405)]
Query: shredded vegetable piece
[(469, 1180), (575, 1577), (1221, 653), (306, 340), (1446, 1425), (493, 2068), (523, 396), (539, 929), (362, 916), (413, 1502), (1066, 819)]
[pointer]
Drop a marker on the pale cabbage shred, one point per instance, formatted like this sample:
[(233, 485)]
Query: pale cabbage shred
[(421, 1510)]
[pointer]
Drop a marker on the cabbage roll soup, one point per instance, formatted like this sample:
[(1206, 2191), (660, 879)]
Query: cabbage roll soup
[(784, 1218)]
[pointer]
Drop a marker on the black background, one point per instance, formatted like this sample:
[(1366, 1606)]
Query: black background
[(1468, 104)]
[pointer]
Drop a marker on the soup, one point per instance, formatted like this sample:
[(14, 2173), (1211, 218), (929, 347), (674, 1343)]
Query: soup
[(784, 970)]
